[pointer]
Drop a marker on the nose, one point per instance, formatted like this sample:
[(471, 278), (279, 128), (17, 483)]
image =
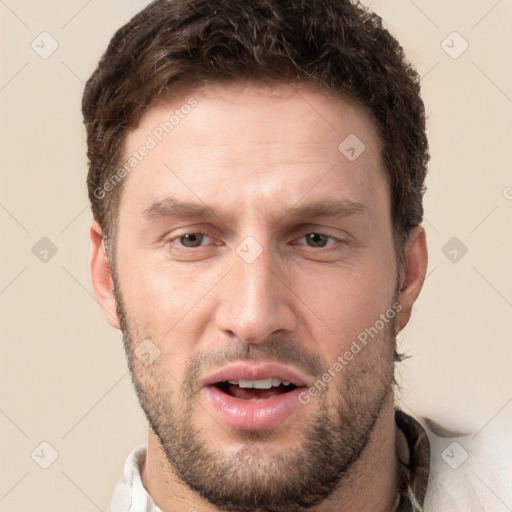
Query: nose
[(256, 301)]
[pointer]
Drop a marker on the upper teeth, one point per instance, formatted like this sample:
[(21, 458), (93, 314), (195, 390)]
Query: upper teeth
[(259, 384)]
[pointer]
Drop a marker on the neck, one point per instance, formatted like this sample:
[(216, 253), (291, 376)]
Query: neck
[(370, 486)]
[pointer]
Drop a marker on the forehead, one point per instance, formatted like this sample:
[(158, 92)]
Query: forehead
[(244, 144)]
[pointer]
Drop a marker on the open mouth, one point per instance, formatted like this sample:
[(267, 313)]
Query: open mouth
[(254, 396), (253, 390)]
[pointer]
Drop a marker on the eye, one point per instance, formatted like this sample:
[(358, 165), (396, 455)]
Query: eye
[(191, 240), (318, 239)]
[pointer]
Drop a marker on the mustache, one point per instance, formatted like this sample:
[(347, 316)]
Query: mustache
[(277, 349)]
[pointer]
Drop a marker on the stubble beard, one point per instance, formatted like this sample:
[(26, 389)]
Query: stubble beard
[(334, 438)]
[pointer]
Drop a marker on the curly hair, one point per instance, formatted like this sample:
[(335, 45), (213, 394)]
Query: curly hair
[(339, 47)]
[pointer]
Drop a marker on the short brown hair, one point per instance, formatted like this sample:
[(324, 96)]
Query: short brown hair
[(334, 45)]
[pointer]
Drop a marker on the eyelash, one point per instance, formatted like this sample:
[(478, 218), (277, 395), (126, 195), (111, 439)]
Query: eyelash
[(303, 234), (205, 233), (331, 237)]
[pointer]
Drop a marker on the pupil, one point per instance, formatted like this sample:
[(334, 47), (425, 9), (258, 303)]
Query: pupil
[(316, 239), (192, 239)]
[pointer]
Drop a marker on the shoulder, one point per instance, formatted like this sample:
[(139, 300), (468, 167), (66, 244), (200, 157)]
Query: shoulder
[(468, 472)]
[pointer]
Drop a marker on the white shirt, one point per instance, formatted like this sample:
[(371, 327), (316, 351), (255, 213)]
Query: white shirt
[(483, 480), (129, 494)]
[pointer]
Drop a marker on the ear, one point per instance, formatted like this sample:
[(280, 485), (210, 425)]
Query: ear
[(412, 275), (101, 277)]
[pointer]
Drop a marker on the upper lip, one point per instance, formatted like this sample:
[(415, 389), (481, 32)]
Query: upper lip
[(255, 371)]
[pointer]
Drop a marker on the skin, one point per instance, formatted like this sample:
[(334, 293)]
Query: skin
[(252, 153)]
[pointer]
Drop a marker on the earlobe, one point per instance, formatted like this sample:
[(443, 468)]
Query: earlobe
[(413, 275), (101, 276)]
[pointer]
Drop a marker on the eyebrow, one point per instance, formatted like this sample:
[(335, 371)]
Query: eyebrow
[(327, 208), (171, 207)]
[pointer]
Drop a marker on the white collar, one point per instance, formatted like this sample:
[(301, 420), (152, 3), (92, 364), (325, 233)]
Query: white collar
[(130, 495)]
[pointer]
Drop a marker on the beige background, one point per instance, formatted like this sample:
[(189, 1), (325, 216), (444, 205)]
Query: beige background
[(63, 373)]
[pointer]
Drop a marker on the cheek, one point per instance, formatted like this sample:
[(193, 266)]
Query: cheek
[(345, 303), (167, 305), (162, 293)]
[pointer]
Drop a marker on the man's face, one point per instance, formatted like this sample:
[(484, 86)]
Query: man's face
[(250, 247)]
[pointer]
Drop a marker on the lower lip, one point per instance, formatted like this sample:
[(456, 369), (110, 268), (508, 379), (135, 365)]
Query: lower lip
[(264, 414)]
